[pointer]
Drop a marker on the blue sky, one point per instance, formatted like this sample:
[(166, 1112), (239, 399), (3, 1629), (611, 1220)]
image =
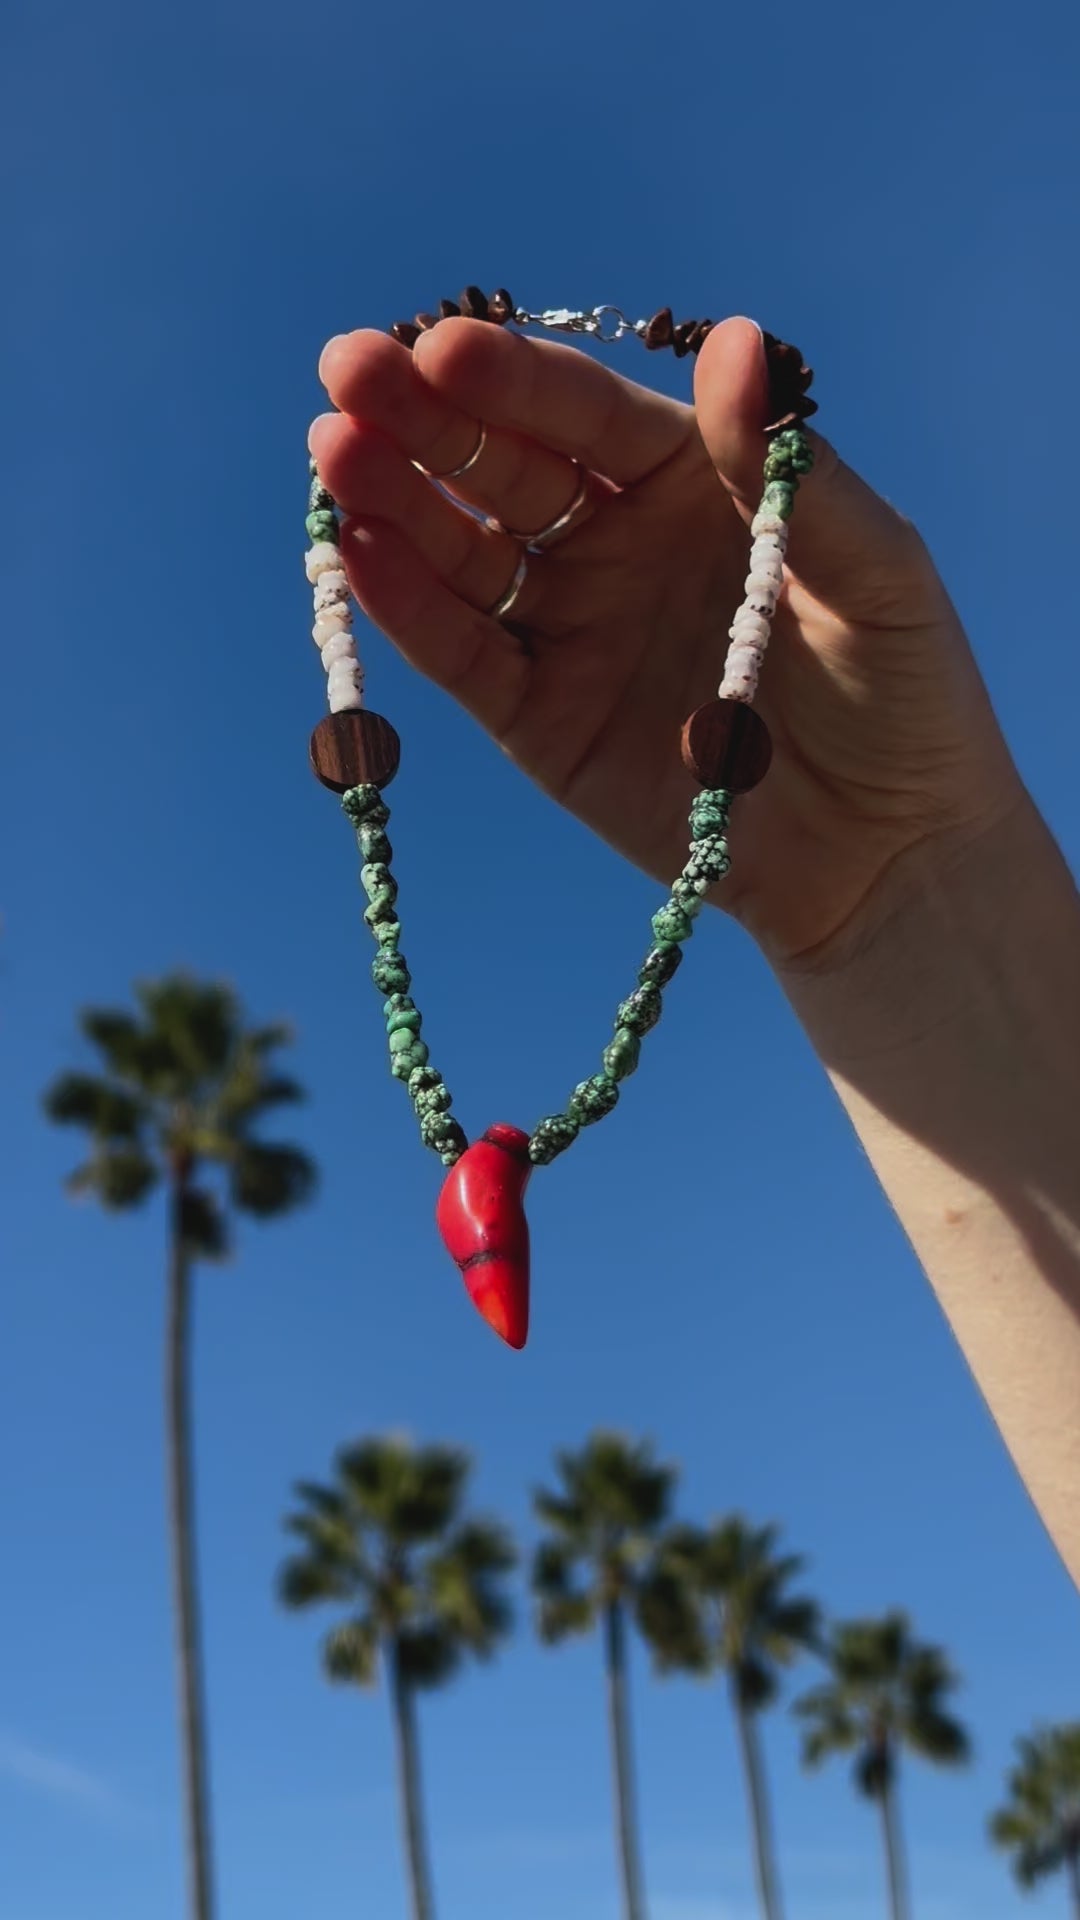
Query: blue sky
[(198, 196)]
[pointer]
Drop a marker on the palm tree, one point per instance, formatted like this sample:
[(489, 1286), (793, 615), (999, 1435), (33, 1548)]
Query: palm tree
[(181, 1085), (593, 1568), (720, 1602), (1040, 1825), (422, 1588), (887, 1692)]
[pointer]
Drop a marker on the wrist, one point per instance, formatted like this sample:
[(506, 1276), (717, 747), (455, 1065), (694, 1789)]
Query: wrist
[(974, 932)]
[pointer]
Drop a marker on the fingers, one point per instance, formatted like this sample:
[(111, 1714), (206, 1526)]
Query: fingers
[(438, 633), (552, 395), (849, 548), (370, 477), (524, 484)]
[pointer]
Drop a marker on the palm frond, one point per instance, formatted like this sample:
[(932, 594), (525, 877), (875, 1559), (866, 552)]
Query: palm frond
[(350, 1652), (120, 1177), (269, 1180), (105, 1110)]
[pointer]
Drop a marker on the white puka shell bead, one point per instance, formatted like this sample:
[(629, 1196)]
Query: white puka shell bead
[(324, 557), (340, 646), (330, 590), (335, 619)]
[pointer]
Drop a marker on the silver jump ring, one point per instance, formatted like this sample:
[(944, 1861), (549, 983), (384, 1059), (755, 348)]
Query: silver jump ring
[(455, 473), (507, 600), (561, 521)]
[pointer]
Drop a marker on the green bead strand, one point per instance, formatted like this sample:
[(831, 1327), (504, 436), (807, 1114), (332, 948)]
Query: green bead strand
[(409, 1057)]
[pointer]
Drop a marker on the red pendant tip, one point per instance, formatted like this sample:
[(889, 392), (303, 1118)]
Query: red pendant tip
[(481, 1216)]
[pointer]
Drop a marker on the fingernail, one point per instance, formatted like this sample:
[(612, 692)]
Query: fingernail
[(331, 346), (316, 428)]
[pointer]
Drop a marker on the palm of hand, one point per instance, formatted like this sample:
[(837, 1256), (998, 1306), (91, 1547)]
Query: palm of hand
[(882, 737)]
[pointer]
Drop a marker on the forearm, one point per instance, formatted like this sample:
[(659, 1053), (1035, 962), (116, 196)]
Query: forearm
[(951, 1032)]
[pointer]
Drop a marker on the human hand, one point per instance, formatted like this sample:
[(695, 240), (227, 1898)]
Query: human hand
[(885, 747)]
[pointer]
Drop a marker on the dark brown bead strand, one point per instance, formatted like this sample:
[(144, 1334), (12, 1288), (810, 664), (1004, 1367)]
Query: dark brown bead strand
[(681, 338), (789, 379), (500, 307), (405, 333), (660, 330), (474, 303), (425, 322), (700, 335), (448, 310), (354, 749), (726, 744)]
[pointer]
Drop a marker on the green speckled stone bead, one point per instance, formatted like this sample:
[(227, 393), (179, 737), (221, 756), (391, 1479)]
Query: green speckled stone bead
[(686, 893), (779, 497), (622, 1053), (709, 862), (374, 845), (592, 1099), (378, 881), (710, 813), (318, 495), (406, 1054), (390, 973), (452, 1149), (641, 1010), (432, 1099), (672, 922), (423, 1080), (403, 1020), (387, 933), (365, 806), (552, 1137), (660, 965), (321, 526), (381, 912), (439, 1130)]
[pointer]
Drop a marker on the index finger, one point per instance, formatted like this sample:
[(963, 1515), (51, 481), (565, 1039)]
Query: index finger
[(555, 395)]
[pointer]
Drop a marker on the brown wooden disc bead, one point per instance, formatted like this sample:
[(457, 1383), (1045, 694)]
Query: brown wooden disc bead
[(474, 303), (726, 744), (354, 749)]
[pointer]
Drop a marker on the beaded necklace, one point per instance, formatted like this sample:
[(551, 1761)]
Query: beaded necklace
[(725, 746)]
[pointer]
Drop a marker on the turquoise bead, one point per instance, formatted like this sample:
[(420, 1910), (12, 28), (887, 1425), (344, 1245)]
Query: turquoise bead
[(378, 882), (320, 499), (322, 525), (387, 932), (552, 1136), (622, 1053), (592, 1099), (709, 814), (422, 1081), (672, 922), (779, 497), (686, 893), (407, 1053), (659, 966), (641, 1010), (404, 1020), (365, 806), (390, 973), (381, 912), (374, 845), (431, 1099)]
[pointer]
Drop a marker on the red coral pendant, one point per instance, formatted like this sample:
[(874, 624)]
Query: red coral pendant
[(481, 1216)]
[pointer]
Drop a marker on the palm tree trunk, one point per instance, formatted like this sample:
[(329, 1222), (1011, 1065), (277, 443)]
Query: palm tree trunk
[(894, 1853), (184, 1576), (619, 1720), (412, 1817), (1073, 1862), (757, 1800)]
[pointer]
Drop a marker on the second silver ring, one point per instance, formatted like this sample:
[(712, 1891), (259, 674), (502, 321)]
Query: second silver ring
[(535, 541)]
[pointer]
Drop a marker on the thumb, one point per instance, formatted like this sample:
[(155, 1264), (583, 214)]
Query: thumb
[(849, 548)]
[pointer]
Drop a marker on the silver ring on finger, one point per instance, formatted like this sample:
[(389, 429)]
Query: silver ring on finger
[(509, 599), (561, 522), (455, 473)]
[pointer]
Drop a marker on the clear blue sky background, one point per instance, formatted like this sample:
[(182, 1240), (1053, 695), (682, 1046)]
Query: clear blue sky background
[(195, 198)]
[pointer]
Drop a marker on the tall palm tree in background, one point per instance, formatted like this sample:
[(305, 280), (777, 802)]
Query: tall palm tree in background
[(422, 1587), (181, 1084), (1040, 1824), (720, 1603), (593, 1567), (887, 1692)]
